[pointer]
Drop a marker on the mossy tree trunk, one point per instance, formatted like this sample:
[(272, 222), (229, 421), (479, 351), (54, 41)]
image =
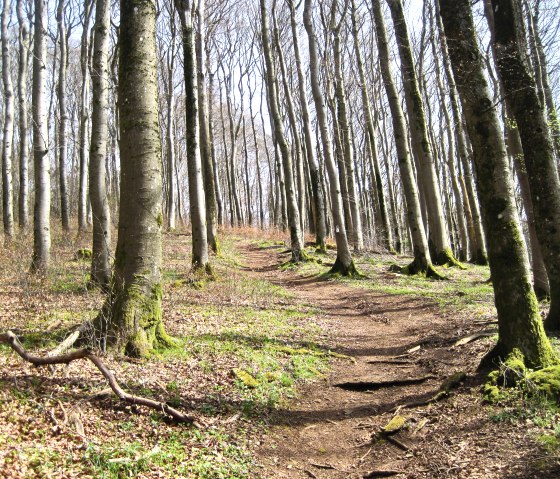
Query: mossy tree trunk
[(194, 163), (344, 263), (131, 320), (296, 235), (100, 265), (538, 148), (519, 321), (421, 146), (422, 263)]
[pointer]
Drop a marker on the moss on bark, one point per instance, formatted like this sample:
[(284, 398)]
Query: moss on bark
[(446, 258), (340, 269)]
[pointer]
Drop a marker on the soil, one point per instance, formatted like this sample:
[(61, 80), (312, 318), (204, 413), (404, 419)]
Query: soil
[(330, 432)]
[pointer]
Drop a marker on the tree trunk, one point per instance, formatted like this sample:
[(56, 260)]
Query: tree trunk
[(519, 321), (131, 319), (296, 236), (538, 149), (170, 127), (194, 164), (100, 267), (63, 120), (8, 133), (344, 264), (41, 214), (84, 116), (318, 193), (205, 145), (23, 204), (422, 261), (370, 132), (420, 142)]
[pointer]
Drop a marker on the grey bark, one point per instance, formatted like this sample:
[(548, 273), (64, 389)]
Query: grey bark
[(42, 206), (344, 263), (8, 130), (194, 163), (100, 265)]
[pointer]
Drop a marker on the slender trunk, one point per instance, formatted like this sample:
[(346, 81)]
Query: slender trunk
[(41, 214), (422, 262), (63, 119), (23, 204), (344, 264), (194, 162), (318, 193), (8, 133), (84, 117), (170, 137), (296, 236), (205, 145), (519, 321), (420, 141), (100, 266)]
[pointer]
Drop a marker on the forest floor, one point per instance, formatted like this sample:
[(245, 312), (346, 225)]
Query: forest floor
[(264, 349)]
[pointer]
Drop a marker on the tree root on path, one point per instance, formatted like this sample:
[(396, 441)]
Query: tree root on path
[(11, 339), (371, 385)]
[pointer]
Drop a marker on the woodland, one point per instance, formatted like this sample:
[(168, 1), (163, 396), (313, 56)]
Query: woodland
[(280, 239)]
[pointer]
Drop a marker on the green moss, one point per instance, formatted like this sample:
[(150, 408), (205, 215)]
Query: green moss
[(550, 442), (339, 269), (247, 379), (491, 393), (394, 425), (546, 381), (83, 254), (159, 220), (446, 258)]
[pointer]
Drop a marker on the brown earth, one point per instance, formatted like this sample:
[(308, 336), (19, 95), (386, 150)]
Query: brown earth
[(329, 432)]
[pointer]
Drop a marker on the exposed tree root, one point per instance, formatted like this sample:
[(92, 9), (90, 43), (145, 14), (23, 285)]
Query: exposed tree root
[(372, 385), (347, 271), (415, 268), (11, 339), (382, 473)]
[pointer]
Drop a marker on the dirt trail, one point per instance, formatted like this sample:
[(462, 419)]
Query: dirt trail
[(327, 432)]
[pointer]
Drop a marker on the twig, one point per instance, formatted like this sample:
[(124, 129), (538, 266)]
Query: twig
[(12, 340)]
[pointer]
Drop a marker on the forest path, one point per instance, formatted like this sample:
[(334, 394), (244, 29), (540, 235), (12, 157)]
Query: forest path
[(327, 431)]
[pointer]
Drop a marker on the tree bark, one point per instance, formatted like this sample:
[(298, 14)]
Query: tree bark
[(538, 148), (131, 320), (23, 203), (8, 131), (422, 262), (421, 145), (100, 266), (194, 164), (41, 215), (296, 236), (63, 118), (344, 264), (318, 193), (519, 321), (205, 145)]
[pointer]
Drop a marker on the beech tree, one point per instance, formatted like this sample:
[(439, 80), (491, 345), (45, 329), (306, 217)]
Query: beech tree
[(41, 212), (197, 200), (538, 148), (519, 324), (131, 319), (8, 131), (101, 244)]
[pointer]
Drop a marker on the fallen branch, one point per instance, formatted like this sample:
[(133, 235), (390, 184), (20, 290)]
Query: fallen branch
[(11, 339), (372, 385)]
